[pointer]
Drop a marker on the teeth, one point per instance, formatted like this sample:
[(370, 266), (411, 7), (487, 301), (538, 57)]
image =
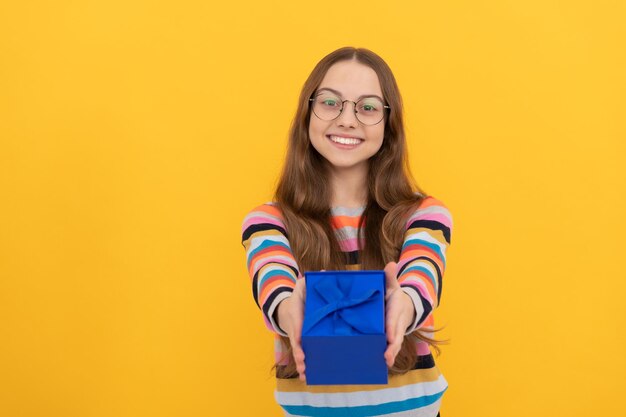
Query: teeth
[(345, 141)]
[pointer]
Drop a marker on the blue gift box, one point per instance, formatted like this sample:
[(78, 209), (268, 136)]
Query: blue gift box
[(343, 335)]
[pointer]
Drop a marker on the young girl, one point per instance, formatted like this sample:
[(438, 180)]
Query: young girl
[(345, 200)]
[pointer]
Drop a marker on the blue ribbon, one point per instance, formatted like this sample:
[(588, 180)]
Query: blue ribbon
[(345, 320)]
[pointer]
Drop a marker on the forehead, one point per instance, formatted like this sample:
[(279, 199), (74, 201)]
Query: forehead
[(352, 79)]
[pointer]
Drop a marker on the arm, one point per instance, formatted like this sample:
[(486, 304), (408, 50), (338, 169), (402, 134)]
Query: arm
[(271, 264), (423, 257), (276, 286)]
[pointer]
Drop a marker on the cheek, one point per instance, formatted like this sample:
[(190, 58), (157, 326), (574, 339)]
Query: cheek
[(316, 129), (377, 135)]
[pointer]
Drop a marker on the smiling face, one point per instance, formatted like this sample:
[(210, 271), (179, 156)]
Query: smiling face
[(345, 142)]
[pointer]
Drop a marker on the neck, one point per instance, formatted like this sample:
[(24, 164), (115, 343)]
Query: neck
[(349, 186)]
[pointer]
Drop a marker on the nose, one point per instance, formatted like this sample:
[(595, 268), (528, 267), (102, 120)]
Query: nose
[(347, 118)]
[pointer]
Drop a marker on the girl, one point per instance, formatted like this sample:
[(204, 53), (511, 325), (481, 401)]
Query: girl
[(345, 200)]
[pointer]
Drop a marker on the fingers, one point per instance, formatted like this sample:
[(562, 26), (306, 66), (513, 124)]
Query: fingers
[(395, 337), (390, 272), (390, 268), (300, 289), (391, 281), (395, 314), (298, 356), (295, 333), (392, 337), (395, 343), (390, 323)]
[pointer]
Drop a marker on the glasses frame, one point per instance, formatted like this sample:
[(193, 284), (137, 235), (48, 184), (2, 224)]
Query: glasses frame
[(356, 113)]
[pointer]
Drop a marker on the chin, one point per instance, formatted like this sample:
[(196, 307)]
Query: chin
[(345, 164)]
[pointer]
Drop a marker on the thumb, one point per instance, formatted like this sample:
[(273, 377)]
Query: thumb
[(390, 275)]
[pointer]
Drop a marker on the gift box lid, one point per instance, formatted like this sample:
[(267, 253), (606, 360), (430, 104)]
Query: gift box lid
[(344, 303)]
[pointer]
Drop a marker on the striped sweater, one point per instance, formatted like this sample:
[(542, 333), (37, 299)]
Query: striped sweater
[(273, 271)]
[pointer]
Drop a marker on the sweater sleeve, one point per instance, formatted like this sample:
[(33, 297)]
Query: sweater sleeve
[(271, 265), (423, 257)]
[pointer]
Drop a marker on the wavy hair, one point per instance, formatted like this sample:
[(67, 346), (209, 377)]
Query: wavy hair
[(304, 194)]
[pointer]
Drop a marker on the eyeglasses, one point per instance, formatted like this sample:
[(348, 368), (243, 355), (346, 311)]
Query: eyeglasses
[(368, 110)]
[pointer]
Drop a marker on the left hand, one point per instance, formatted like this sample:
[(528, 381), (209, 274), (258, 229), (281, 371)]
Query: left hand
[(399, 313)]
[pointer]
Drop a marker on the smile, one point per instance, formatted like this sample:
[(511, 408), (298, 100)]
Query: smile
[(344, 141)]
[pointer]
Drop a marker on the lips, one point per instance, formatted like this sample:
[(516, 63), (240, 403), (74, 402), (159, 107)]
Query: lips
[(345, 141)]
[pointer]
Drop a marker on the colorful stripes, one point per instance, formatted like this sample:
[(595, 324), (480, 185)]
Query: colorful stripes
[(270, 262), (273, 272), (423, 257), (364, 410), (418, 391)]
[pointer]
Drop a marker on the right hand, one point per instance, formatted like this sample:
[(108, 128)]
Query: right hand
[(290, 318)]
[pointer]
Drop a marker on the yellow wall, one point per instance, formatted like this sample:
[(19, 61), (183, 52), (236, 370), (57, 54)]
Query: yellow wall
[(136, 135)]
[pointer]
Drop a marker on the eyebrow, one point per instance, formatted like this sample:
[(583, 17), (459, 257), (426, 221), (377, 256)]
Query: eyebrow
[(341, 95)]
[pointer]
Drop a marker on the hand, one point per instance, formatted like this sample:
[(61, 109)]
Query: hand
[(290, 317), (399, 313)]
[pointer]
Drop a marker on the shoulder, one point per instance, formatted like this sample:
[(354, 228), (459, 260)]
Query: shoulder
[(431, 213), (267, 214), (431, 207), (269, 209)]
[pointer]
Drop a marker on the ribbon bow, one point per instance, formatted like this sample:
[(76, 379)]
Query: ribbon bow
[(345, 319)]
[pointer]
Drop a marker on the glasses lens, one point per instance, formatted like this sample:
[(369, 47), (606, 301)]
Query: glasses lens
[(327, 106), (370, 110)]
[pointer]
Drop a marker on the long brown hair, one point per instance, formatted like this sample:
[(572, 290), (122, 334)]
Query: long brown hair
[(304, 193)]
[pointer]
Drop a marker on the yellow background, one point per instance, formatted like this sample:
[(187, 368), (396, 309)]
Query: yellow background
[(136, 135)]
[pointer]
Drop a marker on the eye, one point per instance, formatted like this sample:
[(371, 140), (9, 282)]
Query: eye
[(330, 102), (370, 107), (327, 100)]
